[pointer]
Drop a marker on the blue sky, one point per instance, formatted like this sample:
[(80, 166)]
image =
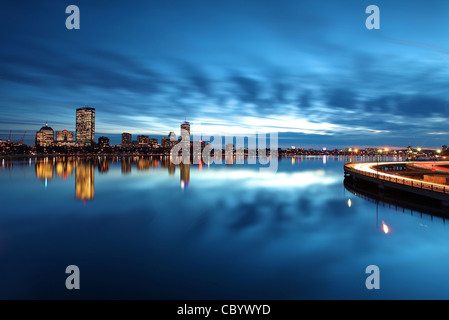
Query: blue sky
[(309, 70)]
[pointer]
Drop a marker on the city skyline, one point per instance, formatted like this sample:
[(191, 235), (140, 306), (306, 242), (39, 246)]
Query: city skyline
[(231, 68), (85, 126)]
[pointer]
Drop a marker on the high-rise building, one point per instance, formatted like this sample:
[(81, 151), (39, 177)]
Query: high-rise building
[(170, 141), (103, 142), (64, 136), (154, 143), (185, 131), (185, 135), (127, 139), (85, 126), (165, 142), (45, 136), (143, 141)]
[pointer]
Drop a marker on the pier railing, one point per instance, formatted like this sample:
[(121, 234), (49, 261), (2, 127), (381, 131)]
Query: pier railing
[(404, 181)]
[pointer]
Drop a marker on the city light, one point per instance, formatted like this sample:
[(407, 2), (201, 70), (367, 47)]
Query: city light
[(385, 228)]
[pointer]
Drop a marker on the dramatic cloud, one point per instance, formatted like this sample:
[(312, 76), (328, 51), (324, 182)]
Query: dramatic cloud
[(309, 70)]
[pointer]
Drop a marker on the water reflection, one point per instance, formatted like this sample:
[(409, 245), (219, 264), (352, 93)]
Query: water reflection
[(240, 226), (399, 202), (126, 165), (64, 167), (85, 179), (103, 165), (44, 169), (48, 167), (185, 175)]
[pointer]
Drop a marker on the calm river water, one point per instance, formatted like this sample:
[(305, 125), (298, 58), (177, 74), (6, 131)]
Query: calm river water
[(141, 228)]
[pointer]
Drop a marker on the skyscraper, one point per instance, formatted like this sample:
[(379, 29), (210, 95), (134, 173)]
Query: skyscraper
[(85, 126), (126, 139), (185, 132)]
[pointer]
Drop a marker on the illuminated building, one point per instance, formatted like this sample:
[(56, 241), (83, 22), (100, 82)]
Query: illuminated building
[(84, 180), (165, 142), (185, 132), (45, 136), (85, 126), (143, 141), (64, 136), (103, 142), (170, 141), (64, 139), (154, 143), (127, 139)]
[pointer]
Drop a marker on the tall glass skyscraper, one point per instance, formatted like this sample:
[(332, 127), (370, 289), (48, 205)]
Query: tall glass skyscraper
[(85, 126), (185, 132)]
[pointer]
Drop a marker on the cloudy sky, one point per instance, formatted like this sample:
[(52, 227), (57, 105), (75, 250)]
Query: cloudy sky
[(309, 70)]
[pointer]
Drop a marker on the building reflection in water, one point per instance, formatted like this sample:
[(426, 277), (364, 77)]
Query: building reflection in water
[(143, 164), (185, 175), (84, 179), (64, 167), (168, 165), (229, 159), (84, 168), (44, 169), (103, 165), (126, 165)]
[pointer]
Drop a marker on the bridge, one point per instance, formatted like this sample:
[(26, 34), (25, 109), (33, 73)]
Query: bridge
[(407, 177)]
